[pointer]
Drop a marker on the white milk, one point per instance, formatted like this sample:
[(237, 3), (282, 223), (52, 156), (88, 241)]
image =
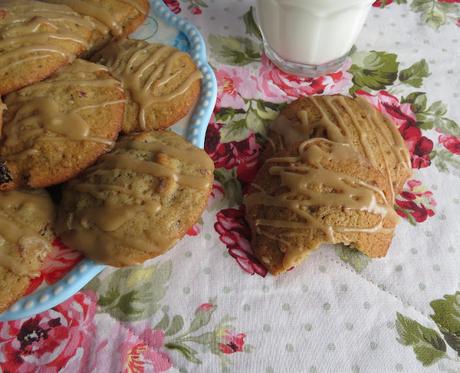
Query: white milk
[(311, 32)]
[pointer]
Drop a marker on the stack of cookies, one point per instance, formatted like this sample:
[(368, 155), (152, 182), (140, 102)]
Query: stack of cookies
[(84, 107), (331, 169)]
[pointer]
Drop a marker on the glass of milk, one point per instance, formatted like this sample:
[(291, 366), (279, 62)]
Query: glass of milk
[(310, 37)]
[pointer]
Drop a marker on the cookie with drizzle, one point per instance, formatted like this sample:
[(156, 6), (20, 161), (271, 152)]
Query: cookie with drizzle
[(36, 39), (113, 19), (137, 201), (162, 83), (56, 128), (319, 191)]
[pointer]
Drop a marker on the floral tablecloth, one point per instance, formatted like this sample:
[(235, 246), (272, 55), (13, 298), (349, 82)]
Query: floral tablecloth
[(209, 306)]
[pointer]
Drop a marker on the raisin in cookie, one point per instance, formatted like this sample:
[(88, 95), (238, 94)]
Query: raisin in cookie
[(137, 200)]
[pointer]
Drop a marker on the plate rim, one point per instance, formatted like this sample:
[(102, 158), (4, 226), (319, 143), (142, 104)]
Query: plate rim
[(87, 269)]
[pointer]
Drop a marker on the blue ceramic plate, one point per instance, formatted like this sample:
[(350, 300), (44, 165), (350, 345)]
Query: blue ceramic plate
[(165, 27)]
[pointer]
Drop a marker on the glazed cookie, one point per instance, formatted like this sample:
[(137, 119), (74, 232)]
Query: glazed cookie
[(26, 219), (318, 192), (346, 120), (114, 19), (54, 129), (36, 39), (136, 201), (162, 82), (2, 109)]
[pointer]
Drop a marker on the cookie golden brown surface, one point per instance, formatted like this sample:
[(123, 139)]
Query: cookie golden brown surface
[(26, 218), (137, 200), (114, 19), (162, 83), (56, 128), (36, 39), (318, 192), (345, 120)]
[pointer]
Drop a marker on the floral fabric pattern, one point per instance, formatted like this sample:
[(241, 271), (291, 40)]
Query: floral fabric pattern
[(418, 145), (209, 305), (51, 341), (415, 204), (234, 232)]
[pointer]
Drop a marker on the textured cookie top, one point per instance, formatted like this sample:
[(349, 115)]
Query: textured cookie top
[(36, 39), (26, 218), (56, 128), (25, 240), (112, 18), (346, 120), (318, 192), (162, 82), (137, 200)]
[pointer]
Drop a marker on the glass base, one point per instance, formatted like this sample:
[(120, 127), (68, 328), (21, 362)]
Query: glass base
[(306, 70)]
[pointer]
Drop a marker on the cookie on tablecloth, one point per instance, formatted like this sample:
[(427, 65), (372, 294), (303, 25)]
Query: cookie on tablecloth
[(137, 200), (114, 19), (162, 82), (37, 38), (56, 128), (346, 120), (26, 218), (318, 192)]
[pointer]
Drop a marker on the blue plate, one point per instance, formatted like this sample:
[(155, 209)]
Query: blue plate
[(165, 27)]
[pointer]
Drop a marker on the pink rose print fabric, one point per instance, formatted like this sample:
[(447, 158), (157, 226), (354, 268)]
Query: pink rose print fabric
[(234, 232), (243, 154), (451, 143), (173, 5), (402, 115), (234, 84), (278, 86), (144, 353), (415, 203), (381, 3), (231, 342), (51, 341)]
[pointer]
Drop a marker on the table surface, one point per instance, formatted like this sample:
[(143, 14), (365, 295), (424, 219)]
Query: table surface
[(208, 306)]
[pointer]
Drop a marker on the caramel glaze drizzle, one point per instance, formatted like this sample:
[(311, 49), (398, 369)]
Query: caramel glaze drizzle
[(103, 17), (17, 233), (97, 12), (25, 26), (298, 174), (135, 4), (108, 218), (131, 63), (336, 130), (41, 117)]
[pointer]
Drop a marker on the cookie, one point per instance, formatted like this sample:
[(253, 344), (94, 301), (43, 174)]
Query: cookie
[(2, 109), (36, 39), (318, 192), (26, 218), (56, 128), (346, 120), (162, 83), (137, 200), (114, 19)]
